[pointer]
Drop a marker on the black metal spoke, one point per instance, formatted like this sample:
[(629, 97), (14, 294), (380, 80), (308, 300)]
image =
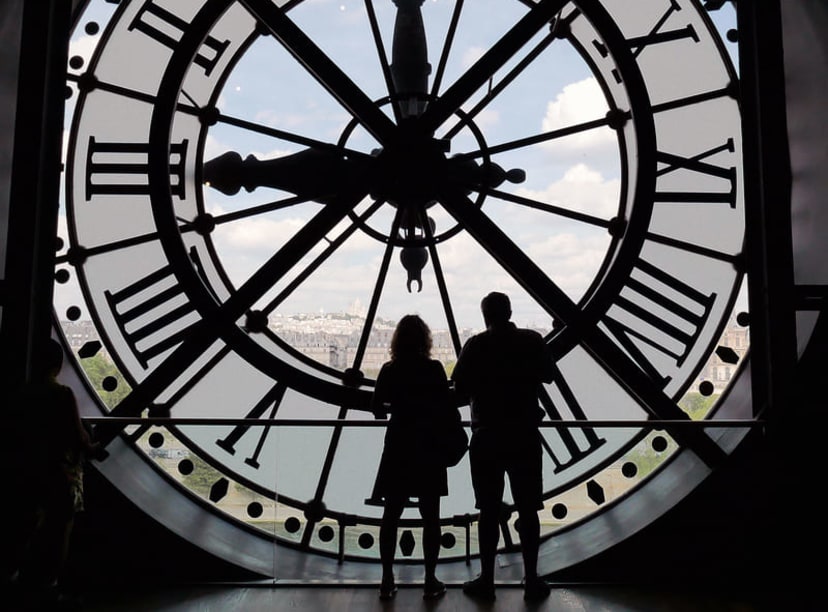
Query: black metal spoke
[(510, 257), (375, 296), (186, 227), (694, 99), (87, 82), (321, 258), (383, 56), (103, 249), (549, 208), (289, 255), (447, 43), (439, 111), (692, 247), (519, 143), (323, 69), (252, 211), (441, 282), (209, 329), (360, 352), (548, 295), (219, 117), (502, 84), (324, 475), (288, 136)]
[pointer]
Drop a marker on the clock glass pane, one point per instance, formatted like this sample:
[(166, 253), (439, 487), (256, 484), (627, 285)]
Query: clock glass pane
[(255, 193)]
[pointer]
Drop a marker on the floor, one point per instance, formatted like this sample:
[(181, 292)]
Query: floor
[(345, 598)]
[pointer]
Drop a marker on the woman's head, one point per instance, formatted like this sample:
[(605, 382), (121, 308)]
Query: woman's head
[(411, 337), (50, 359)]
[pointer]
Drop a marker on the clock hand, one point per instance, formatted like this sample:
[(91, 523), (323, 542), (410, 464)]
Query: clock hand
[(215, 320), (409, 58), (606, 352), (320, 66), (320, 174), (483, 69), (485, 176), (315, 174)]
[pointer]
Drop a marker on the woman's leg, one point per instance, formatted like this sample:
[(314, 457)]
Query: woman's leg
[(430, 512), (388, 534)]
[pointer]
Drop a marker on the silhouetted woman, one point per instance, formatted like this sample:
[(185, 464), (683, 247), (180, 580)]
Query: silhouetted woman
[(413, 389)]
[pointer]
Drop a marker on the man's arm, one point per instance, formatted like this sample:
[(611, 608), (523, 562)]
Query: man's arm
[(460, 375), (538, 357), (547, 365)]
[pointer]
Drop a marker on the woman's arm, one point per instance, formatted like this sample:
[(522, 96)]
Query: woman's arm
[(380, 400)]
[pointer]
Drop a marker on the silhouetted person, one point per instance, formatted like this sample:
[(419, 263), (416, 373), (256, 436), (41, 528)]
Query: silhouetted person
[(500, 370), (51, 447), (413, 389)]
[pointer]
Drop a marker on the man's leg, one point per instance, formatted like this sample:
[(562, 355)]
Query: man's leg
[(529, 540), (526, 479), (488, 534), (487, 480)]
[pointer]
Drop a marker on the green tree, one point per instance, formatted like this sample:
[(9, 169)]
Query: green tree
[(106, 379), (647, 460), (697, 405), (202, 477)]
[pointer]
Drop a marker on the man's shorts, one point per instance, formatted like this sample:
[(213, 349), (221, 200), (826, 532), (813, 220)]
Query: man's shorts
[(494, 453)]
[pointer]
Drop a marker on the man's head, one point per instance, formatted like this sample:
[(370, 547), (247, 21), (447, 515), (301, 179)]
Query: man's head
[(496, 309)]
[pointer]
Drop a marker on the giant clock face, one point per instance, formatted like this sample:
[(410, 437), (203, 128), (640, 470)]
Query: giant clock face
[(256, 190)]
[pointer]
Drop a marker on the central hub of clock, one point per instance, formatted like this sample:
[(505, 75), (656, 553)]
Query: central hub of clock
[(409, 170)]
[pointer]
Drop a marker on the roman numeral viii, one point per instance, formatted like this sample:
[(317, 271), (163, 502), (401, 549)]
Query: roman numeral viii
[(153, 314)]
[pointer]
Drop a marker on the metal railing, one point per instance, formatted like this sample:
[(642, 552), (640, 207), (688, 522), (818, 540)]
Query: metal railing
[(463, 521), (578, 423)]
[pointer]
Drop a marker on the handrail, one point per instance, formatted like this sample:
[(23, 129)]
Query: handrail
[(610, 423)]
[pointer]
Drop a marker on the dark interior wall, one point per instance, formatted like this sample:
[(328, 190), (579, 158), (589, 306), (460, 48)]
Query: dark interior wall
[(805, 23), (114, 542), (10, 18)]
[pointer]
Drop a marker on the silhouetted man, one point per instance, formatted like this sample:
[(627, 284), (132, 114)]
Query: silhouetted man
[(500, 370)]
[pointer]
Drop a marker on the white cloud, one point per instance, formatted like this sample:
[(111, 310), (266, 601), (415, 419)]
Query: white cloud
[(487, 118), (578, 103), (471, 55), (582, 189), (264, 235), (571, 260)]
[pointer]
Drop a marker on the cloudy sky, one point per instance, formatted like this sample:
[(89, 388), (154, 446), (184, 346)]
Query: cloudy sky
[(580, 173)]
